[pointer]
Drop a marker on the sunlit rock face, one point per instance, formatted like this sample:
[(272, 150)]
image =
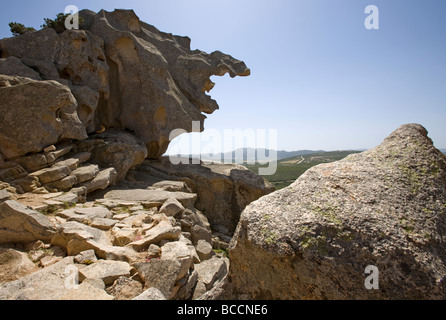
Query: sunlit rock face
[(124, 75)]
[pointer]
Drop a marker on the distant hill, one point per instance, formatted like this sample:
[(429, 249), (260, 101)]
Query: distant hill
[(289, 169), (245, 155), (443, 150)]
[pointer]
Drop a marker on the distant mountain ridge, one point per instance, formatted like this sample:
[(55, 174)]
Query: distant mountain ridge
[(244, 155)]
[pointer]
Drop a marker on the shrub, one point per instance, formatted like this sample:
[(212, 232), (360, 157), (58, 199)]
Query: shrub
[(57, 24), (17, 29)]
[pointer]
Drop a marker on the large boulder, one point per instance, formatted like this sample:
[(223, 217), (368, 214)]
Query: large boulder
[(107, 271), (323, 236), (19, 224), (14, 265), (35, 115), (56, 282), (121, 150), (157, 83), (124, 75), (75, 58), (46, 284)]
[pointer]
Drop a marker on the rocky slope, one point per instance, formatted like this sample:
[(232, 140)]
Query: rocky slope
[(123, 73), (385, 207), (80, 114)]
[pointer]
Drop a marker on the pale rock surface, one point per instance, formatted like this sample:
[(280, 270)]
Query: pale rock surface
[(46, 284), (162, 231), (14, 265), (19, 224), (151, 294), (178, 251), (107, 271), (161, 274), (28, 124), (125, 289), (121, 151)]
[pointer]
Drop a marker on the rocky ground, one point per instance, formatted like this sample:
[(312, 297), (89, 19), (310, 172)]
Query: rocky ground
[(85, 116), (140, 238)]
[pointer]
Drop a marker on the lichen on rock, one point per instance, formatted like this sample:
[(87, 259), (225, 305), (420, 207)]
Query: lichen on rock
[(314, 239)]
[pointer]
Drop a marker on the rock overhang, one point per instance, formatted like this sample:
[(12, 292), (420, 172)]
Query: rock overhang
[(126, 74)]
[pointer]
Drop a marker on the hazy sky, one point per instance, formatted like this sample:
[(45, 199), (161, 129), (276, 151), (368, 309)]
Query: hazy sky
[(319, 77)]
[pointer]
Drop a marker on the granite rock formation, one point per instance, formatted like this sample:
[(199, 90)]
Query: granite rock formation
[(385, 207), (124, 74)]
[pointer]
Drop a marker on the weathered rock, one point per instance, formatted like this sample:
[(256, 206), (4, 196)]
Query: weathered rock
[(151, 196), (67, 199), (61, 150), (144, 64), (28, 124), (102, 249), (51, 174), (104, 179), (13, 66), (151, 294), (121, 151), (313, 240), (161, 274), (107, 271), (223, 190), (204, 250), (171, 207), (103, 223), (186, 291), (47, 261), (125, 289), (71, 163), (33, 162), (19, 224), (172, 186), (64, 184), (86, 257), (211, 271), (94, 212), (154, 251), (46, 284), (14, 265), (11, 171), (199, 233), (5, 196), (76, 237), (114, 253), (180, 252), (124, 236), (82, 157), (119, 70), (162, 231), (75, 58), (86, 173), (86, 292)]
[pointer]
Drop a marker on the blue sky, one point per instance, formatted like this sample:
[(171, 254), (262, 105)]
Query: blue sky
[(319, 77)]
